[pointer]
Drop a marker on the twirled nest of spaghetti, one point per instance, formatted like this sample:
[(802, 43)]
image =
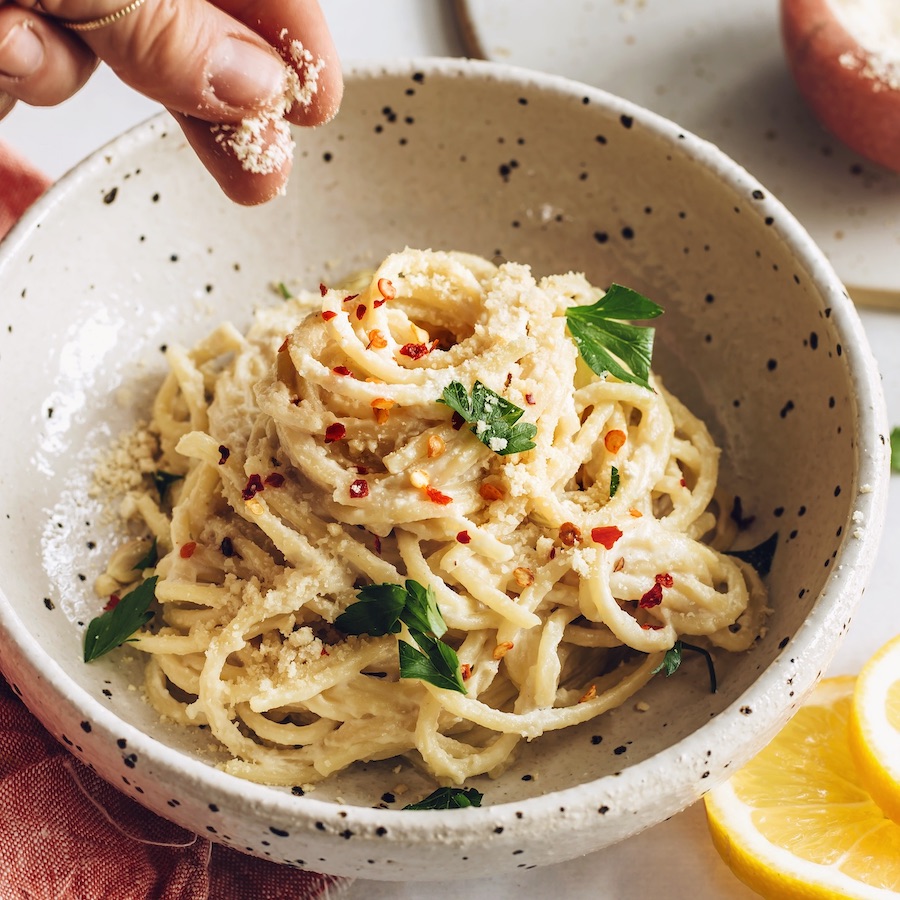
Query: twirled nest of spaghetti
[(405, 518)]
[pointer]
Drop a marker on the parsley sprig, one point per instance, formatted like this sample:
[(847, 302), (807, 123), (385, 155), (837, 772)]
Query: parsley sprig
[(449, 798), (433, 661), (381, 608), (163, 481), (149, 559), (613, 481), (494, 420), (895, 449), (117, 625), (672, 661), (760, 556), (608, 341)]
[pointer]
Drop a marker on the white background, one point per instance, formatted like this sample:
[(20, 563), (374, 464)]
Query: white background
[(674, 859)]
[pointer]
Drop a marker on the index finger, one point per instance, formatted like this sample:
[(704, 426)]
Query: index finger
[(189, 55)]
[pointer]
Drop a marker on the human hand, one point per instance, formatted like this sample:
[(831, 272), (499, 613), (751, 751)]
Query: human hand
[(212, 64)]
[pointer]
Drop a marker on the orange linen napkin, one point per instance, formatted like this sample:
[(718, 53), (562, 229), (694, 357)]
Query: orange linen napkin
[(64, 832)]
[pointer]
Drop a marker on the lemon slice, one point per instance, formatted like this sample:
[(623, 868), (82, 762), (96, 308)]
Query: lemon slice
[(875, 727), (796, 822)]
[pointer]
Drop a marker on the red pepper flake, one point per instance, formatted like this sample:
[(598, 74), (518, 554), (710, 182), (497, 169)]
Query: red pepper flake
[(435, 496), (377, 543), (652, 598), (464, 537), (682, 482), (224, 453), (529, 399), (112, 603), (457, 421), (324, 652), (328, 315), (377, 340), (569, 534), (414, 351), (350, 297), (614, 440), (227, 547), (275, 479), (589, 694), (341, 370), (360, 311), (187, 550), (254, 486), (359, 489), (524, 577), (651, 626), (606, 535), (664, 579), (386, 288), (362, 470), (334, 432), (553, 553), (323, 290), (465, 670)]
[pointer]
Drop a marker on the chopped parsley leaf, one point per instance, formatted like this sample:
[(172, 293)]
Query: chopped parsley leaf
[(494, 420), (672, 661), (608, 341), (117, 625), (380, 610), (449, 798), (760, 556)]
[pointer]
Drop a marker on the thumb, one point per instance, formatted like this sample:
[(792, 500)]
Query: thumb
[(187, 54)]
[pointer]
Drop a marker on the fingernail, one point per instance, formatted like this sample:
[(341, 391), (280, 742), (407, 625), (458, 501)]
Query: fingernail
[(244, 75), (22, 53)]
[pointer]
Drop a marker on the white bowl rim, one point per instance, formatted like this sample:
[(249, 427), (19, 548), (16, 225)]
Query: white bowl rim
[(847, 579)]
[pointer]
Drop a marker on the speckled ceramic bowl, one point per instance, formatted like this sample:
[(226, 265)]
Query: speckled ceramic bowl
[(137, 247)]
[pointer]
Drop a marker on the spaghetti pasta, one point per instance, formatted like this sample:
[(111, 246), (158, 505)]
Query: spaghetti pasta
[(319, 462)]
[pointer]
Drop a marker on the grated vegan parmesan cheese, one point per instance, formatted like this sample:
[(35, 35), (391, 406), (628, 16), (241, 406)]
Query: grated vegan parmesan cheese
[(263, 143), (122, 466), (875, 25)]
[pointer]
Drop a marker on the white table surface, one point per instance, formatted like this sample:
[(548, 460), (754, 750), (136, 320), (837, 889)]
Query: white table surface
[(675, 859)]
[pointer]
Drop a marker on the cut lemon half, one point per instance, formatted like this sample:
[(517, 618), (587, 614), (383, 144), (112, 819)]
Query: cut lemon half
[(875, 727), (796, 822)]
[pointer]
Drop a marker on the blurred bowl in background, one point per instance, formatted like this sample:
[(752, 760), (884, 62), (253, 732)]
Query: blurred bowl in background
[(845, 58)]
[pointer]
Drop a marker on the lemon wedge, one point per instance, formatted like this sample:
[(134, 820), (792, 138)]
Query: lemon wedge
[(875, 727), (797, 823)]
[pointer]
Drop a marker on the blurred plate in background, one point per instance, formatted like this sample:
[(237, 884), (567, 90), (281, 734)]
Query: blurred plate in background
[(717, 69)]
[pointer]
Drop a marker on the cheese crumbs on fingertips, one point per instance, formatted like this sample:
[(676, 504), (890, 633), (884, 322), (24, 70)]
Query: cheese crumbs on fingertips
[(263, 143)]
